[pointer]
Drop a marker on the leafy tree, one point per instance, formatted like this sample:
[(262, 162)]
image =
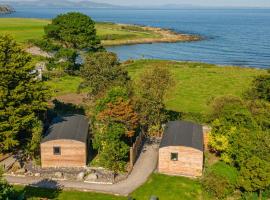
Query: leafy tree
[(112, 150), (121, 112), (114, 122), (101, 71), (260, 88), (6, 191), (22, 96), (260, 111), (74, 30), (255, 175), (231, 110), (66, 60), (151, 88)]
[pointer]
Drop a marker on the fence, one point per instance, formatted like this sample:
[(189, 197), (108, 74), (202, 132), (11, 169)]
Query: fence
[(135, 149)]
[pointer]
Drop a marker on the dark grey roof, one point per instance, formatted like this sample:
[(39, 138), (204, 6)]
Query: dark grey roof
[(182, 133), (72, 127)]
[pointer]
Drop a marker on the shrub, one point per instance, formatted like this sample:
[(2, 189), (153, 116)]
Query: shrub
[(220, 180)]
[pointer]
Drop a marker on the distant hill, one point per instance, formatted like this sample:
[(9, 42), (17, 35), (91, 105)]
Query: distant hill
[(6, 9), (58, 4)]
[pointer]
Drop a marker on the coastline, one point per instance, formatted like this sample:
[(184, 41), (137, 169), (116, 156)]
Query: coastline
[(165, 36)]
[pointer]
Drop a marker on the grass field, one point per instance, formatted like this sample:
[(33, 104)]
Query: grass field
[(195, 83), (24, 29), (162, 186)]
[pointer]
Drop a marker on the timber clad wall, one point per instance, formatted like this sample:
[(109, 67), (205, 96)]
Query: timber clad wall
[(190, 161), (73, 154)]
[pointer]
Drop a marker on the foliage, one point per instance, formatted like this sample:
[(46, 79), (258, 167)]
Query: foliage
[(260, 88), (251, 150), (121, 112), (66, 60), (22, 96), (34, 144), (113, 151), (220, 180), (231, 110), (45, 45), (114, 122), (151, 88), (6, 191), (101, 71), (74, 30), (260, 111)]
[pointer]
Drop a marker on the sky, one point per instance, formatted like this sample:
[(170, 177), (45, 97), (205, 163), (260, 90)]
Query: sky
[(219, 3), (242, 3)]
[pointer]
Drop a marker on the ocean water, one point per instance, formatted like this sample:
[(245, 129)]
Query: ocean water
[(231, 36)]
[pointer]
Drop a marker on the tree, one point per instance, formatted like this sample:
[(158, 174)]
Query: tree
[(112, 150), (231, 110), (23, 98), (66, 59), (101, 71), (151, 88), (114, 122), (260, 88), (74, 30), (121, 112)]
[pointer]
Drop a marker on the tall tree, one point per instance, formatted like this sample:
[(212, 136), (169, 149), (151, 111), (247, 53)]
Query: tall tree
[(151, 88), (23, 97), (74, 30), (260, 88), (102, 70)]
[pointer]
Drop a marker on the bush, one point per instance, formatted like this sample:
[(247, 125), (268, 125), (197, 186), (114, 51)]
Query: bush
[(220, 180), (45, 45)]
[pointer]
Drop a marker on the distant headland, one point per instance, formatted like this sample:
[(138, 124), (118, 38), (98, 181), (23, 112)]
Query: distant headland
[(6, 9)]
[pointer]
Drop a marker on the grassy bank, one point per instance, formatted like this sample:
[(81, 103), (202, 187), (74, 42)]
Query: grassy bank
[(111, 34), (165, 187), (195, 83)]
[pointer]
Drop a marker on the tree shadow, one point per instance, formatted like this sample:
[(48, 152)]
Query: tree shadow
[(62, 108), (47, 189)]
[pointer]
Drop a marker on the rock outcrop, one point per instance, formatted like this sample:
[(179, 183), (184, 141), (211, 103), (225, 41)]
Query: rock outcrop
[(5, 9)]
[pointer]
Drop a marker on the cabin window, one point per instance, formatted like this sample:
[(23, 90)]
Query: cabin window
[(174, 156), (56, 151)]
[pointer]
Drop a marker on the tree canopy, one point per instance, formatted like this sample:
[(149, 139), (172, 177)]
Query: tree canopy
[(102, 70), (23, 97), (74, 30), (151, 88)]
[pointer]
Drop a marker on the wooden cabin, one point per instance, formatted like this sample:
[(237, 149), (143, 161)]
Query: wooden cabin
[(66, 142), (181, 149)]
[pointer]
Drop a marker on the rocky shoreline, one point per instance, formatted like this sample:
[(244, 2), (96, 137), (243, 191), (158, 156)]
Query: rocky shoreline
[(6, 9), (166, 36)]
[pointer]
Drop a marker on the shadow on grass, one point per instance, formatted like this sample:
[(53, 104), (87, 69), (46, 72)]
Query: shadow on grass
[(62, 108), (189, 116), (47, 189)]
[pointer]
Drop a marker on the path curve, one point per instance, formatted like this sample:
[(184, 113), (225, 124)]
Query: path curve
[(143, 168)]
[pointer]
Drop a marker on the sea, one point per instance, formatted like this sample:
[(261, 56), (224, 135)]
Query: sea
[(239, 37)]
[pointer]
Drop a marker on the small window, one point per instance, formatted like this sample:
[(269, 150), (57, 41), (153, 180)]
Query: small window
[(56, 151), (174, 156)]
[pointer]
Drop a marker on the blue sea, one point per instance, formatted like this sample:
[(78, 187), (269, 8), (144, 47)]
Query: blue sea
[(231, 36)]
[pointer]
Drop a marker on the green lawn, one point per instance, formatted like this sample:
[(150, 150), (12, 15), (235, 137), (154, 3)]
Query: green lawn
[(64, 85), (165, 187), (23, 29), (197, 83)]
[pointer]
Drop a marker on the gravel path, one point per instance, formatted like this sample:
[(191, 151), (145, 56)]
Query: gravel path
[(143, 168)]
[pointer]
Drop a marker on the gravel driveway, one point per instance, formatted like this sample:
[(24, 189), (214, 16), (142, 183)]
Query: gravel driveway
[(143, 168)]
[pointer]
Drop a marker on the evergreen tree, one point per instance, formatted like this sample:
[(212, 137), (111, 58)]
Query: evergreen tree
[(22, 96)]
